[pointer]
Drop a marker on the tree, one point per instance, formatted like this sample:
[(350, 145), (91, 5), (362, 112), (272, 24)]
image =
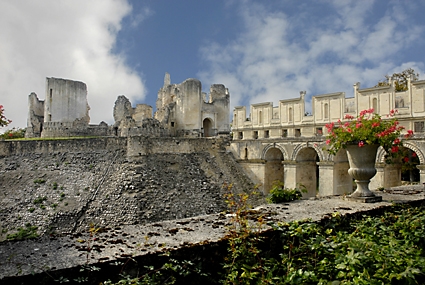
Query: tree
[(3, 121), (400, 79)]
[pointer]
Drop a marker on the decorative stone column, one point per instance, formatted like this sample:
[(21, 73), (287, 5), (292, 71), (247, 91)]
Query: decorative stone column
[(326, 178), (306, 175), (290, 172), (378, 180), (421, 173)]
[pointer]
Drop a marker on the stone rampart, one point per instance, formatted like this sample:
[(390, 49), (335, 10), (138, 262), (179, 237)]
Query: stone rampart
[(65, 185), (16, 148), (61, 130)]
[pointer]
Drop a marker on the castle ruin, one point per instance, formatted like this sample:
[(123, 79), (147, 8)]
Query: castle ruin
[(182, 110)]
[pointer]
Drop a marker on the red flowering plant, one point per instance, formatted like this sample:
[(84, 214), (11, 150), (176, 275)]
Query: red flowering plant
[(366, 129), (3, 121)]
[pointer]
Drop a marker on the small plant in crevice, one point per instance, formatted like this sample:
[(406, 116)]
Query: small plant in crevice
[(27, 232), (55, 185), (279, 193), (40, 202), (39, 181)]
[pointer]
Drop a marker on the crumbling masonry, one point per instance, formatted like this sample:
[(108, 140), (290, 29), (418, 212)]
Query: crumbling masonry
[(182, 110)]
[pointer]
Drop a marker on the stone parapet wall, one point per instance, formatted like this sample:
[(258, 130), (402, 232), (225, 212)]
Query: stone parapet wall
[(10, 148), (138, 146), (57, 129)]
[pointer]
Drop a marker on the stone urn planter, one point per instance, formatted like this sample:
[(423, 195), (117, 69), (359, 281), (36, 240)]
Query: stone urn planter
[(362, 169)]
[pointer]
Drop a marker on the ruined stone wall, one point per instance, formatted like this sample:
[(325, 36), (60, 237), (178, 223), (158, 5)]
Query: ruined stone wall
[(66, 101), (35, 116), (220, 98), (183, 108), (108, 182), (47, 147)]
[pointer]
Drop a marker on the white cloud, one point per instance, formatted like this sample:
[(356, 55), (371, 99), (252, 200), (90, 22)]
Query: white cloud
[(142, 15), (323, 48), (66, 39)]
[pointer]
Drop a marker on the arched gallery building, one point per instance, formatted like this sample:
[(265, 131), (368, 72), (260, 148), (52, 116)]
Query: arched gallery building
[(285, 143)]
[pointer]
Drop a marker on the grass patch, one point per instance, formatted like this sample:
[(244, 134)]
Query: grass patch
[(28, 232)]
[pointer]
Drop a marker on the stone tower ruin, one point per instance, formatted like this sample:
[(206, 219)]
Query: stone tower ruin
[(186, 111)]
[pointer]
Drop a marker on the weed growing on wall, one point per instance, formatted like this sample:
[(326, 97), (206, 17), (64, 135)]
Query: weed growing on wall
[(27, 232), (243, 263)]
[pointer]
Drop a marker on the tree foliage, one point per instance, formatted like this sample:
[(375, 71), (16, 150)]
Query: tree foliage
[(400, 79)]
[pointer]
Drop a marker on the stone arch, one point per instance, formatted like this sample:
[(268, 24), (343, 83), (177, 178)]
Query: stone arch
[(274, 145), (413, 175), (319, 151), (207, 125), (273, 169), (380, 157), (307, 170), (416, 149)]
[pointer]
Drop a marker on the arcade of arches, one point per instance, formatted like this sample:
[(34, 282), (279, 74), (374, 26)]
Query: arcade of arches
[(307, 163)]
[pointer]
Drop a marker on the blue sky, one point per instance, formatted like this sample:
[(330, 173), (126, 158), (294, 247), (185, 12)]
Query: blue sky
[(261, 50)]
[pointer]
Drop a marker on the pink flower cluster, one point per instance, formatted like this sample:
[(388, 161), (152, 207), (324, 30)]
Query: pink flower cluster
[(3, 121), (366, 129)]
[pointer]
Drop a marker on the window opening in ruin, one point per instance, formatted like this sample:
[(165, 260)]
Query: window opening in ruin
[(240, 135), (290, 115), (246, 153), (51, 94), (297, 133), (172, 124), (375, 105), (326, 111), (319, 132), (266, 134), (255, 135), (284, 133), (208, 128), (419, 127)]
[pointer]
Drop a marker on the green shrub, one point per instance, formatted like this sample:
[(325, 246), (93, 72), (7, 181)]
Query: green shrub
[(14, 133), (39, 181), (279, 193)]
